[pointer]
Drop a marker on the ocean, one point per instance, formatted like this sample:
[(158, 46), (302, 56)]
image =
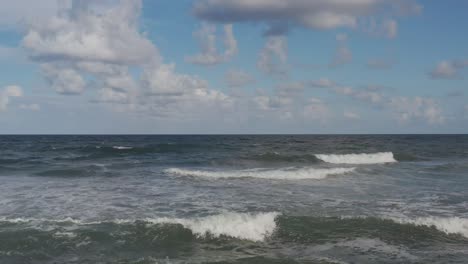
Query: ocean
[(234, 199)]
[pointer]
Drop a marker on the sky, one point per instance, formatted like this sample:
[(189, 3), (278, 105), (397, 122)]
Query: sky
[(233, 67)]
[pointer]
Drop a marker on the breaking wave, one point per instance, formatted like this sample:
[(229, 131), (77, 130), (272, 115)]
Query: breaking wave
[(274, 174), (246, 226), (255, 227), (448, 225), (364, 158)]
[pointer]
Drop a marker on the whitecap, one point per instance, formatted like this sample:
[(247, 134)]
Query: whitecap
[(254, 227), (363, 158), (121, 147), (274, 174), (448, 225)]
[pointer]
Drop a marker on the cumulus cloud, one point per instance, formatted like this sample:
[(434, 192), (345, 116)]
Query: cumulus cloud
[(98, 45), (207, 39), (238, 78), (281, 15), (273, 57), (82, 33), (64, 80), (448, 69), (167, 92), (86, 39), (404, 109), (6, 93), (408, 109)]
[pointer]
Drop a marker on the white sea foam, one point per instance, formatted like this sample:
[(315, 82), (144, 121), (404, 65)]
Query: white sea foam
[(449, 225), (255, 227), (121, 147), (364, 158), (275, 174)]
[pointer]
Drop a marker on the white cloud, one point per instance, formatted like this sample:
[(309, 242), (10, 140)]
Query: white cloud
[(64, 80), (6, 93), (315, 109), (279, 15), (168, 92), (272, 102), (84, 34), (408, 109), (405, 109), (273, 58), (208, 43), (448, 69), (351, 115), (238, 78), (98, 45)]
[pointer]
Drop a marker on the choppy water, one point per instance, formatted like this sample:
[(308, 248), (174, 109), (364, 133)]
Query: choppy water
[(234, 199)]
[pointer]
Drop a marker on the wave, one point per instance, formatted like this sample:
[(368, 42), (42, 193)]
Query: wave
[(364, 158), (274, 157), (122, 147), (273, 174), (53, 241), (254, 227), (246, 226), (449, 225)]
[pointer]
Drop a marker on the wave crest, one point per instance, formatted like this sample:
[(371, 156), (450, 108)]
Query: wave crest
[(122, 147), (255, 227), (449, 225), (277, 174), (363, 158), (247, 226)]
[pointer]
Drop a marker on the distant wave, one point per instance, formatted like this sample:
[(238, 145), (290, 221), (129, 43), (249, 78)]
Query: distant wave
[(274, 174), (279, 157), (364, 158), (247, 226), (122, 147)]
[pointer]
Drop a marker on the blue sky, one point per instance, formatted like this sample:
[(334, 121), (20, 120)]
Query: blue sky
[(222, 66)]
